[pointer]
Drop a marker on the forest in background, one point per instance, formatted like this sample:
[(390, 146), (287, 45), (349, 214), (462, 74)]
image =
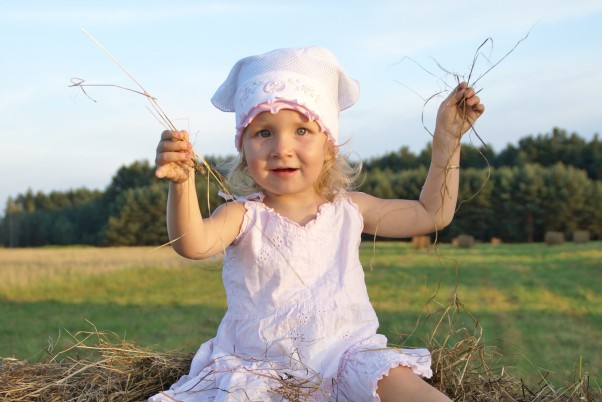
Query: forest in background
[(548, 182)]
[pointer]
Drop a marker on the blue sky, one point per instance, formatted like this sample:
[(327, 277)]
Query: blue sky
[(54, 138)]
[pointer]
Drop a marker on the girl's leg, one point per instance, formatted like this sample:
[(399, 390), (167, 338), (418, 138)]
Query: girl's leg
[(401, 384)]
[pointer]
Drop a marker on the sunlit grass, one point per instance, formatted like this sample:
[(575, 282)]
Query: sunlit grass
[(138, 276)]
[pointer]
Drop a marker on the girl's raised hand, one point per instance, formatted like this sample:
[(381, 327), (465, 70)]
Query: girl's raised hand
[(459, 111), (174, 156)]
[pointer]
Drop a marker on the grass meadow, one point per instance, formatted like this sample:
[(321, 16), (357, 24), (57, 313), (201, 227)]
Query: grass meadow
[(539, 306)]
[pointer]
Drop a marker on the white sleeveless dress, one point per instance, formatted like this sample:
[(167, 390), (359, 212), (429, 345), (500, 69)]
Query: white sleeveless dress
[(299, 323)]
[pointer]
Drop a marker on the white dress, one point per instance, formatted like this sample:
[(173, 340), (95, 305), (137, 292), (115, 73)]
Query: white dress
[(299, 324)]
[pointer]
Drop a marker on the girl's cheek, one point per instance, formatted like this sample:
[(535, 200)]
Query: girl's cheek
[(252, 162)]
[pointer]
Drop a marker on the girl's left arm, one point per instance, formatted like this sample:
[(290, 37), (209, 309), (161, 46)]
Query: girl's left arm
[(437, 203)]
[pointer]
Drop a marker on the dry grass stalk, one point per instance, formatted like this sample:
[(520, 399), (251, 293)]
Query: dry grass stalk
[(199, 164)]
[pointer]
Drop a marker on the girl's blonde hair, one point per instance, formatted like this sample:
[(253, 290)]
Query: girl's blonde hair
[(337, 174)]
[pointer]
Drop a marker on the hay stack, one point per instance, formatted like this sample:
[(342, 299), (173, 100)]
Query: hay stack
[(581, 236), (465, 241), (496, 240), (110, 369), (421, 242), (121, 371), (554, 238)]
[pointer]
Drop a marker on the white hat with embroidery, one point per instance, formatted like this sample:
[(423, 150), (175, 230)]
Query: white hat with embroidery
[(309, 80)]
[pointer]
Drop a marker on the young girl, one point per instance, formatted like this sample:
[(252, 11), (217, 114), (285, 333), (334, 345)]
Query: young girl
[(299, 324)]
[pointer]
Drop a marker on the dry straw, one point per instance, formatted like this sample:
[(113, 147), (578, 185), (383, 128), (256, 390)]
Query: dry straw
[(198, 162), (98, 366), (101, 366)]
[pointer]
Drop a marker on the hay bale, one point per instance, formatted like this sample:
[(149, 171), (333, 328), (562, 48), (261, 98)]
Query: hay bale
[(465, 241), (581, 236), (104, 368), (496, 240), (123, 372), (554, 238), (421, 242)]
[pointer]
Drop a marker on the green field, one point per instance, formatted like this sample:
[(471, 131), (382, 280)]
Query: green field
[(541, 306)]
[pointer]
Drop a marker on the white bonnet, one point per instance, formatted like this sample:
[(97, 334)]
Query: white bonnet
[(306, 79)]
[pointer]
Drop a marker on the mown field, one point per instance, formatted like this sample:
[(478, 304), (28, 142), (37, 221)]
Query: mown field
[(540, 306)]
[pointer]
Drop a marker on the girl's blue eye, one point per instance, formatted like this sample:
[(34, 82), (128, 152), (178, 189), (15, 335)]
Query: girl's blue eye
[(301, 131), (263, 133)]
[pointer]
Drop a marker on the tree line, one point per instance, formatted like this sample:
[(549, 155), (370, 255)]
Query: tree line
[(548, 182)]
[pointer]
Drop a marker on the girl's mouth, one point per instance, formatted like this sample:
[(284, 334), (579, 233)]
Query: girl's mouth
[(283, 172)]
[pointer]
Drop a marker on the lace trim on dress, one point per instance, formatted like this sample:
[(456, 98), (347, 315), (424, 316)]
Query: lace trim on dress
[(366, 363), (321, 209), (241, 198), (388, 362), (255, 201)]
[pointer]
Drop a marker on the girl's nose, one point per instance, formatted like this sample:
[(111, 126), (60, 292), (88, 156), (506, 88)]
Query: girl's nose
[(282, 145)]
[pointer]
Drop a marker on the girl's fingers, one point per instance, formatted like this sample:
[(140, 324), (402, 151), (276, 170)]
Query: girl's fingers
[(173, 146), (465, 93), (459, 93), (465, 100), (473, 101), (479, 109), (161, 171), (176, 172), (174, 135), (164, 158), (173, 155)]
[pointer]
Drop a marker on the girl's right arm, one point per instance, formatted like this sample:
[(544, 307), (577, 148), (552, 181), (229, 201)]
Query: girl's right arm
[(190, 234)]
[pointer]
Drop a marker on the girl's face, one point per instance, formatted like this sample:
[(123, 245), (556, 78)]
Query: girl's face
[(285, 153)]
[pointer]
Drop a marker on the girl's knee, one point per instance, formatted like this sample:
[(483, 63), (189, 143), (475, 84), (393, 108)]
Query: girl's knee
[(401, 384)]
